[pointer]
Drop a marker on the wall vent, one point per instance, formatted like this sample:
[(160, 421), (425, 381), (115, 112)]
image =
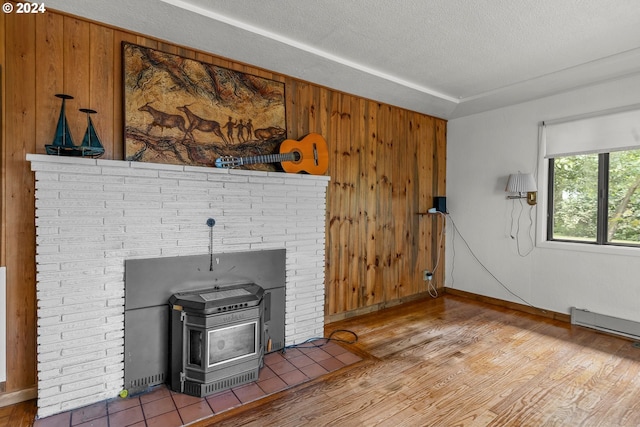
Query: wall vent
[(143, 383), (602, 322), (202, 390)]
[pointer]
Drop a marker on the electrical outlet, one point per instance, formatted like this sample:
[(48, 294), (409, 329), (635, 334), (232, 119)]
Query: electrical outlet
[(426, 275)]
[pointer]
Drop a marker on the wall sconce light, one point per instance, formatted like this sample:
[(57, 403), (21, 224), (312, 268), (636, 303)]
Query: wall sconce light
[(524, 185)]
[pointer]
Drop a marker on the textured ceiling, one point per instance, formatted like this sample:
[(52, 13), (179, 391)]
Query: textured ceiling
[(446, 58)]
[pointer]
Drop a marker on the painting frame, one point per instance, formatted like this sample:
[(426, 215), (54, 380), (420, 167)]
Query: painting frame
[(183, 111)]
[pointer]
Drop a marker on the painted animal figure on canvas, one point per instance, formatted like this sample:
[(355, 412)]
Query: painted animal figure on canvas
[(164, 120), (268, 133), (203, 125)]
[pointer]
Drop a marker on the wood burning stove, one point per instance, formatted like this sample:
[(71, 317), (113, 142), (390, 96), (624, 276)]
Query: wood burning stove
[(150, 283), (217, 338)]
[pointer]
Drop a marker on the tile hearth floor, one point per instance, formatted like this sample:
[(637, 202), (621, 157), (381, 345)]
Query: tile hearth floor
[(161, 407)]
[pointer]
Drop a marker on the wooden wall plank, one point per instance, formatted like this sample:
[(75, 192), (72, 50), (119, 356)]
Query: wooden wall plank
[(101, 85), (337, 200), (147, 42), (204, 57), (117, 131), (76, 70), (20, 123), (49, 48), (168, 48), (3, 145), (302, 109), (386, 226), (369, 179), (424, 198), (349, 233), (386, 164), (359, 224), (401, 204), (322, 126)]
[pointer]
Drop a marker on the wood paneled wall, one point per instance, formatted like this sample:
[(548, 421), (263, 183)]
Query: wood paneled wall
[(386, 165)]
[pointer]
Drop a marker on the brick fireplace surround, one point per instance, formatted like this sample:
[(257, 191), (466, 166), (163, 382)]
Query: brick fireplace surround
[(91, 215)]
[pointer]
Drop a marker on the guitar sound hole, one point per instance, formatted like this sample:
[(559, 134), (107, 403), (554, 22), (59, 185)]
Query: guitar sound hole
[(296, 156)]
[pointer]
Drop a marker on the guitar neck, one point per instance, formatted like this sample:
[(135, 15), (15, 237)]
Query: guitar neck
[(267, 158)]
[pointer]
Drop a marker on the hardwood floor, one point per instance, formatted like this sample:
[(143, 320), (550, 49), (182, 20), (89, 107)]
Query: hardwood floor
[(458, 362), (19, 415)]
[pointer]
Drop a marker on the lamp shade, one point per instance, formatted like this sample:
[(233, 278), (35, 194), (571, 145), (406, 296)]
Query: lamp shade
[(521, 183)]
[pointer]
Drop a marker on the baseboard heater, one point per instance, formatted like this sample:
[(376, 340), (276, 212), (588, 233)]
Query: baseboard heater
[(605, 323)]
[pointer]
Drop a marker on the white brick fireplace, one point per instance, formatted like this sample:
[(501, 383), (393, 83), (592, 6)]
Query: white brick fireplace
[(92, 215)]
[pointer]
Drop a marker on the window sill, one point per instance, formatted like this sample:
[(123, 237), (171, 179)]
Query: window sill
[(585, 247)]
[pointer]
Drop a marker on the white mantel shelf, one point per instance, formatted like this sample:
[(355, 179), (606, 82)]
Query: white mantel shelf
[(84, 161)]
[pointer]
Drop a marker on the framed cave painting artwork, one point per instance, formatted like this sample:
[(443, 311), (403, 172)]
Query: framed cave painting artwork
[(185, 112)]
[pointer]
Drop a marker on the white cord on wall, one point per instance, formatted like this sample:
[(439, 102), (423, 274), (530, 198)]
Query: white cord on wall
[(431, 287), (516, 237), (456, 230)]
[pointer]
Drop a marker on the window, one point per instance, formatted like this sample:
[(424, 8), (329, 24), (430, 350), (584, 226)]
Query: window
[(594, 198), (594, 179)]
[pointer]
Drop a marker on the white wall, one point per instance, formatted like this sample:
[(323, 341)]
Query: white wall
[(482, 150)]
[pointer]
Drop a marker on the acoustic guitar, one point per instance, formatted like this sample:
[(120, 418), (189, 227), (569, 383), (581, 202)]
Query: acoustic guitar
[(308, 155)]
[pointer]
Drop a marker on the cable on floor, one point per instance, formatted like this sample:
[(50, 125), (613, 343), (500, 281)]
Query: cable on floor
[(309, 343)]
